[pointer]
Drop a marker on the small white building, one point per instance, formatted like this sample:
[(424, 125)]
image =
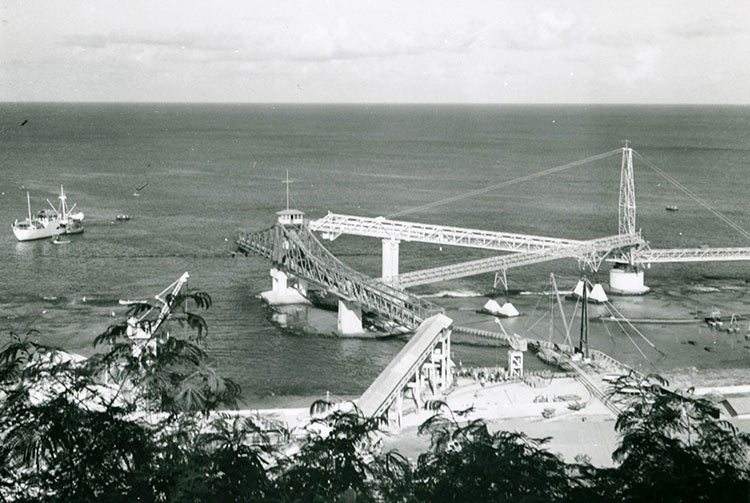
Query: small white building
[(291, 217)]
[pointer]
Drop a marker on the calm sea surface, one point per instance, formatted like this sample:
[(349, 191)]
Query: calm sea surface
[(214, 169)]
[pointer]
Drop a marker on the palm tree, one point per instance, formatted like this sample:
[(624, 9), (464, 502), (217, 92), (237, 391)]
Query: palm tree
[(67, 428), (169, 373)]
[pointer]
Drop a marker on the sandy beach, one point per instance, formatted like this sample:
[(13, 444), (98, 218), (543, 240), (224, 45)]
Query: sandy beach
[(589, 431)]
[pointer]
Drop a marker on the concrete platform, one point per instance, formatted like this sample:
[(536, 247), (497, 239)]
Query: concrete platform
[(289, 296)]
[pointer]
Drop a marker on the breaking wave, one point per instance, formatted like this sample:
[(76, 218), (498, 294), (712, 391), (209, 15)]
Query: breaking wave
[(702, 289), (455, 294)]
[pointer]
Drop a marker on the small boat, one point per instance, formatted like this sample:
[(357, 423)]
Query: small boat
[(57, 241), (715, 319), (672, 208), (48, 223), (122, 218)]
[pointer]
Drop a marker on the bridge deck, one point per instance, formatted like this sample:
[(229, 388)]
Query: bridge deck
[(581, 251), (653, 256), (333, 225), (394, 377)]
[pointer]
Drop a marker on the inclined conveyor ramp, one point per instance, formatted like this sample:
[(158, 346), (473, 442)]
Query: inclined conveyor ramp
[(393, 379)]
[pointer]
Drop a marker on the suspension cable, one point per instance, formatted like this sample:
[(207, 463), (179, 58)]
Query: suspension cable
[(695, 197), (626, 332), (618, 313), (506, 183)]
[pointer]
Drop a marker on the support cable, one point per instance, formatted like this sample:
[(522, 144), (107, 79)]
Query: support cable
[(533, 311), (626, 333), (531, 328), (695, 197), (504, 184), (609, 333), (617, 311)]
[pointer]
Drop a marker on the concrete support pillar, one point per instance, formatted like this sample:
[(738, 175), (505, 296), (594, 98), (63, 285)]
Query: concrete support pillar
[(439, 359), (416, 392), (281, 293), (627, 280), (444, 364), (390, 261), (349, 318), (279, 280), (448, 359), (302, 287)]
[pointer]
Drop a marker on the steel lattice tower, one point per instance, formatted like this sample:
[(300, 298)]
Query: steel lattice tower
[(626, 205)]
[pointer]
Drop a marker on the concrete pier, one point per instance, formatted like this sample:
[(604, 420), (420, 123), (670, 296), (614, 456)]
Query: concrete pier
[(349, 318), (627, 280), (281, 293), (390, 261)]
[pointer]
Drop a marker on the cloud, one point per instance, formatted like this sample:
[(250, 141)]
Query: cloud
[(642, 65), (179, 41), (534, 31), (309, 44), (704, 28)]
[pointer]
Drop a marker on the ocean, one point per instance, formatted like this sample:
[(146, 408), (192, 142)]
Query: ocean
[(215, 169)]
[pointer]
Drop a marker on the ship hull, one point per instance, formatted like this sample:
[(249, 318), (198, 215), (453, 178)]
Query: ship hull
[(31, 233), (46, 223)]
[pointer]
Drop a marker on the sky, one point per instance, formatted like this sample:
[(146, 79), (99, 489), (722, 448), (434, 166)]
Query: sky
[(384, 51)]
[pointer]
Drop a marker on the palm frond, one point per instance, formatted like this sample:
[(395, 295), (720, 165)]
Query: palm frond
[(200, 298), (190, 398), (197, 323), (111, 334), (138, 308)]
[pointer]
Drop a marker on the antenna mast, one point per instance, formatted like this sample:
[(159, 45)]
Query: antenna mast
[(287, 182)]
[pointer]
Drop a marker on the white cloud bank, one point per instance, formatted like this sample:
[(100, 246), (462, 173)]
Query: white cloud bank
[(332, 51)]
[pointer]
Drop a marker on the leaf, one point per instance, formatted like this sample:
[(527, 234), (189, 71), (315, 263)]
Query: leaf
[(196, 322), (111, 334), (190, 399), (138, 308)]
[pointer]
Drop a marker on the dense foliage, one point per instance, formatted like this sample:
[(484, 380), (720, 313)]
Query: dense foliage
[(140, 424)]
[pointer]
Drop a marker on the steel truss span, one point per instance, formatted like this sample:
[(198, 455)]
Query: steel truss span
[(296, 250), (333, 225), (589, 253), (654, 256)]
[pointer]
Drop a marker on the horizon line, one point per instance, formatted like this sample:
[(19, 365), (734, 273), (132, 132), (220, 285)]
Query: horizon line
[(361, 103)]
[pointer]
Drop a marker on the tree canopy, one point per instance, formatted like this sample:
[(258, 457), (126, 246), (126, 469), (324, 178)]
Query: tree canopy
[(142, 420)]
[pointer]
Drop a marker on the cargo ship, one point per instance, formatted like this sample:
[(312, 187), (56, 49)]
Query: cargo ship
[(48, 223)]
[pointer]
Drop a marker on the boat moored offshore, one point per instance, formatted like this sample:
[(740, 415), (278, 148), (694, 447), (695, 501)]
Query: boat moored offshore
[(48, 223)]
